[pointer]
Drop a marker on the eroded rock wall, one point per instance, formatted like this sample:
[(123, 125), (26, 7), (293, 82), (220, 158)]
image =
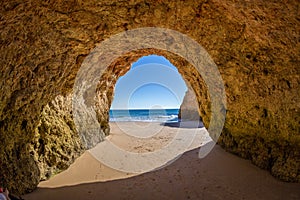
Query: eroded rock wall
[(255, 45), (56, 142)]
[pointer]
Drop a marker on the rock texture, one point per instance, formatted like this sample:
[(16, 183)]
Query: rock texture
[(56, 143), (255, 45), (188, 108)]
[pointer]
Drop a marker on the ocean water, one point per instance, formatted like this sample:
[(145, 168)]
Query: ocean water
[(144, 115)]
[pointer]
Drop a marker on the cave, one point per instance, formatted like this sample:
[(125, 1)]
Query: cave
[(44, 44)]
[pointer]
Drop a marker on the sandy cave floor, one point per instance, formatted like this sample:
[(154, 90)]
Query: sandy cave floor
[(146, 147)]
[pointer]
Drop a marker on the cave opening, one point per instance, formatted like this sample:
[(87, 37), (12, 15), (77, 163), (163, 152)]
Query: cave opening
[(151, 91)]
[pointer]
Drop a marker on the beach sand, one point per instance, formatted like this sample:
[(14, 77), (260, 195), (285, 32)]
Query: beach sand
[(102, 173)]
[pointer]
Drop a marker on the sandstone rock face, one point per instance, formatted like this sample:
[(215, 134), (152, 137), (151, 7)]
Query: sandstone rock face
[(255, 45), (56, 143), (189, 108)]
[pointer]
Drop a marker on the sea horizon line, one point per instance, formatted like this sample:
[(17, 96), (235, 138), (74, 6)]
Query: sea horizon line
[(145, 109)]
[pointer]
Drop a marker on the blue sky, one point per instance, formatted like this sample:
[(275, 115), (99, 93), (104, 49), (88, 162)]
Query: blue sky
[(151, 83)]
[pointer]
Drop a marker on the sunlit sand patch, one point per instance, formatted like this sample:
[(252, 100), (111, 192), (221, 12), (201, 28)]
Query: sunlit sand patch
[(87, 168)]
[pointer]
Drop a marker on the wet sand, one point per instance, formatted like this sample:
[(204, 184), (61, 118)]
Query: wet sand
[(219, 175)]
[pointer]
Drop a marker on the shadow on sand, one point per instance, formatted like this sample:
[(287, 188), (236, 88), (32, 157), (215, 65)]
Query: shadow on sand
[(220, 175), (184, 124)]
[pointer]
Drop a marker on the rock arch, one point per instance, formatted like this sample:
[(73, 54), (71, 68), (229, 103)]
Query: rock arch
[(255, 44), (122, 65)]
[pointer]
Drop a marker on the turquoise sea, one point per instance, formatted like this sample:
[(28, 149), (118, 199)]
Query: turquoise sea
[(145, 115)]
